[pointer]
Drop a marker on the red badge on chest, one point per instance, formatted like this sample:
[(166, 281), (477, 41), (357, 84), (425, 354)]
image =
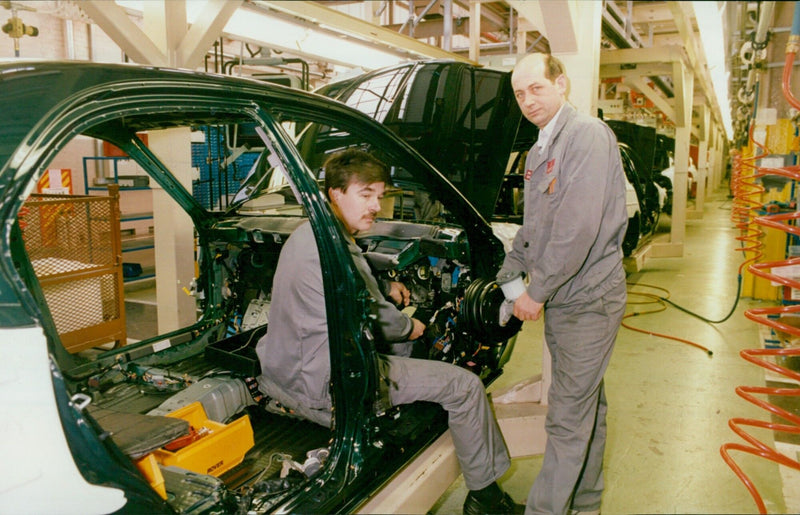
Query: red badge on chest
[(550, 165)]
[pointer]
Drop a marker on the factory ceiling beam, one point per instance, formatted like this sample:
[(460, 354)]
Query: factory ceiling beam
[(634, 69), (642, 84), (490, 21), (345, 23), (643, 62), (646, 62), (619, 29), (554, 19), (496, 22), (165, 24), (204, 31), (434, 28), (131, 39), (179, 47)]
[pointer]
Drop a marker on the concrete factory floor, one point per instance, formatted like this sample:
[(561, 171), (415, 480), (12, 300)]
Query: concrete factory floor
[(669, 402)]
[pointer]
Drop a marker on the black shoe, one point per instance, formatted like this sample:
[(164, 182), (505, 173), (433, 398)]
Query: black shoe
[(506, 505)]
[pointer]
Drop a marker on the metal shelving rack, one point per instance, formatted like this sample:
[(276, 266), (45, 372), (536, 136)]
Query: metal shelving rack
[(129, 244)]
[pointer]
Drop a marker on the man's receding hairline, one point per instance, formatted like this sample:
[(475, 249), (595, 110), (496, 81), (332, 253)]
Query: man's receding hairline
[(547, 61), (529, 61)]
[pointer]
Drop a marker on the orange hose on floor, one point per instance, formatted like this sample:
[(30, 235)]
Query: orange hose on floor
[(767, 316), (655, 299)]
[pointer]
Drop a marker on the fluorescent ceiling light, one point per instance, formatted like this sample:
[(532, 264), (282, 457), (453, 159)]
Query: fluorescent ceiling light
[(260, 28), (297, 39), (709, 23)]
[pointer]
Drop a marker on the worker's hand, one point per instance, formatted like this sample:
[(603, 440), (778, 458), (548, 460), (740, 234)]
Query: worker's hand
[(525, 308), (399, 293), (418, 329)]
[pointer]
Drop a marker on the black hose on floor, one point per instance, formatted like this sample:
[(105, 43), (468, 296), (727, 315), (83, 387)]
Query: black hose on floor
[(704, 319), (661, 301)]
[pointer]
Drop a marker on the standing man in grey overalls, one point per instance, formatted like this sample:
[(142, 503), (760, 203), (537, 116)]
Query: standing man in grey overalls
[(570, 249)]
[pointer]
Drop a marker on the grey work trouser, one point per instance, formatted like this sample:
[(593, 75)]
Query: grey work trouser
[(479, 444), (580, 340)]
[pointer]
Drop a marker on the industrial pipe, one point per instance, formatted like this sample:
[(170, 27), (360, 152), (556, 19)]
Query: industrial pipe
[(754, 50), (764, 21), (792, 47), (276, 62)]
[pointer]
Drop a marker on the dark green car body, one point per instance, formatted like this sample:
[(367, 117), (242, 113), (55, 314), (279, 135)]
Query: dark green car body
[(46, 105)]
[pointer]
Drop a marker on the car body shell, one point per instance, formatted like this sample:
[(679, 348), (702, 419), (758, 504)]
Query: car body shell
[(50, 103)]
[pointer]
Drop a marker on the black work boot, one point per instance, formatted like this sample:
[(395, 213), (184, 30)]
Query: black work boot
[(502, 505)]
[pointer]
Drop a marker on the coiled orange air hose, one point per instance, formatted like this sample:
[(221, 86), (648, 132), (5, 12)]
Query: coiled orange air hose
[(745, 190)]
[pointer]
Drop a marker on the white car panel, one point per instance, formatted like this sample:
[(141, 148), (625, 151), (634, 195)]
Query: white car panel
[(38, 473)]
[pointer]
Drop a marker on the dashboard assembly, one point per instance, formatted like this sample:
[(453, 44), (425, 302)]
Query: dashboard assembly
[(461, 311)]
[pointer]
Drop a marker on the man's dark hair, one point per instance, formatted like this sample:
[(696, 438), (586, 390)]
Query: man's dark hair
[(345, 166), (553, 67)]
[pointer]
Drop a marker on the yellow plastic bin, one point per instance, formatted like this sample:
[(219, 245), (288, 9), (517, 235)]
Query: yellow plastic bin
[(219, 450), (148, 466)]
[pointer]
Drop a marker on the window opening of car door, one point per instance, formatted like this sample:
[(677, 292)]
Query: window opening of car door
[(275, 177), (376, 96), (222, 155)]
